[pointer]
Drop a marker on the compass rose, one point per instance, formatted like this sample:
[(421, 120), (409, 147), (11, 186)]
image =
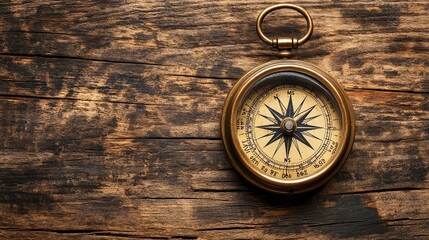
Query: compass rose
[(290, 126)]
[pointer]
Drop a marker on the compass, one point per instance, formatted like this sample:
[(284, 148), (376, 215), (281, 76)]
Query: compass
[(287, 125)]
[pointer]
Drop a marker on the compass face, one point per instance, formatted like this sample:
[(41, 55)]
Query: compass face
[(288, 126)]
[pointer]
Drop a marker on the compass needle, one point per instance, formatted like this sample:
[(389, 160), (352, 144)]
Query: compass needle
[(310, 135), (276, 137), (270, 127), (304, 114), (282, 106), (267, 135), (298, 109), (310, 118), (295, 143), (269, 118), (302, 139), (290, 111), (278, 116), (304, 127), (278, 146), (288, 144)]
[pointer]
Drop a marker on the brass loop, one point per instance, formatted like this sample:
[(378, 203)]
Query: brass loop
[(284, 43)]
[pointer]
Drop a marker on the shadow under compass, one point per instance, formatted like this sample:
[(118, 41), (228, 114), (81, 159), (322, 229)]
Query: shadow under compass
[(286, 200)]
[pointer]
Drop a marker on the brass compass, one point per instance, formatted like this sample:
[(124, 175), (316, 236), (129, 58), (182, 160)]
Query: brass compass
[(287, 125)]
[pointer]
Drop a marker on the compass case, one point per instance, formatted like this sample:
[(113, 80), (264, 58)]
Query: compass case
[(246, 165)]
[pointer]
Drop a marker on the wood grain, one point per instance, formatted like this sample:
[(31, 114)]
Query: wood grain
[(110, 111)]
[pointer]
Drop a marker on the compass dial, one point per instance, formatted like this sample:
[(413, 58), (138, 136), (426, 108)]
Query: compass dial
[(287, 126)]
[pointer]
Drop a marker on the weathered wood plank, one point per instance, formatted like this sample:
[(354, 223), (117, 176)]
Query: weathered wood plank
[(139, 179), (349, 42), (256, 215), (109, 120), (181, 167), (200, 114), (403, 115)]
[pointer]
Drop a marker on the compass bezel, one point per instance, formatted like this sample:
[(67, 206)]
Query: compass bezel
[(236, 154)]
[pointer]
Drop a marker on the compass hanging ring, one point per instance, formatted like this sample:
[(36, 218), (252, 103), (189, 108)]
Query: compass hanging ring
[(287, 125), (284, 43)]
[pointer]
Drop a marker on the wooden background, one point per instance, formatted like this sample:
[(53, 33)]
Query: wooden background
[(109, 120)]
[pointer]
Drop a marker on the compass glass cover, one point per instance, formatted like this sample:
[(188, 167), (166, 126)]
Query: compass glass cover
[(288, 126)]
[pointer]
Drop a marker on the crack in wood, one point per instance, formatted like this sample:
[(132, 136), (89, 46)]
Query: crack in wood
[(81, 58), (92, 232), (381, 191), (386, 90)]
